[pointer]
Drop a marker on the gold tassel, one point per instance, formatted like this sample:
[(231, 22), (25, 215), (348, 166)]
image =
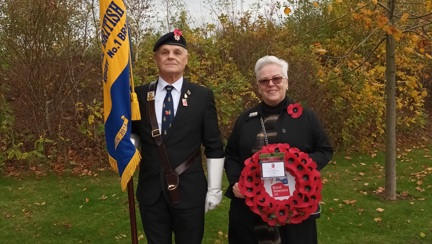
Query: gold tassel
[(136, 115), (135, 111)]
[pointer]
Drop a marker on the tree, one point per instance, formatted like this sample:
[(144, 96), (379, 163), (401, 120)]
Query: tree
[(399, 25), (50, 64)]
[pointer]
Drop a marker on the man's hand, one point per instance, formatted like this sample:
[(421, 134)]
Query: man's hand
[(213, 199)]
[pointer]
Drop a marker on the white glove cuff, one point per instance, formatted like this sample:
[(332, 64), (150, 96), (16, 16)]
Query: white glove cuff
[(215, 168)]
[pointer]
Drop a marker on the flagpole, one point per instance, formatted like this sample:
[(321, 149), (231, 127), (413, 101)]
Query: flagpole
[(132, 215)]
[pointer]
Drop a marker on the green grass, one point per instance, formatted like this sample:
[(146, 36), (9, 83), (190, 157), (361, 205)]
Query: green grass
[(93, 209)]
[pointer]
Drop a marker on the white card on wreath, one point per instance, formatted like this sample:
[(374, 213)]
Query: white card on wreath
[(272, 169)]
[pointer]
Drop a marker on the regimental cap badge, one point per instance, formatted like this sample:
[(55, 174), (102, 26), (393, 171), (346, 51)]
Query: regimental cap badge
[(177, 34)]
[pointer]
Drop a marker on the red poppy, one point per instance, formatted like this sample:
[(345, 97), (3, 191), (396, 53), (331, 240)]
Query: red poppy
[(282, 214), (295, 110), (177, 32), (272, 220)]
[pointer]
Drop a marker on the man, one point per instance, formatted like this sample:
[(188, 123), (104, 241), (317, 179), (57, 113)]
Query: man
[(172, 192)]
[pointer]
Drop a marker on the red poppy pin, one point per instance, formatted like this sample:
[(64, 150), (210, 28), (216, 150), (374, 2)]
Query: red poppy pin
[(177, 34), (295, 110)]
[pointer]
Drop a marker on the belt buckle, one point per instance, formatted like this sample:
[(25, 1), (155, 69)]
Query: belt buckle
[(155, 132), (171, 187)]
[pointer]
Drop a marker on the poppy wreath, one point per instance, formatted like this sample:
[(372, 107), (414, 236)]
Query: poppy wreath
[(300, 205)]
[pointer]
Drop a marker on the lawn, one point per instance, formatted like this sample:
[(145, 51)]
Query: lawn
[(91, 208)]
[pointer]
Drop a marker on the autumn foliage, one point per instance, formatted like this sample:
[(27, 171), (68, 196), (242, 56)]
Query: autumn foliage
[(51, 92)]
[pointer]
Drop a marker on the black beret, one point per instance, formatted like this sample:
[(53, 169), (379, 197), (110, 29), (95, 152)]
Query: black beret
[(171, 38)]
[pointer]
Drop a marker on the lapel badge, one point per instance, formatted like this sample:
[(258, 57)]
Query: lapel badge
[(150, 96), (184, 101), (253, 114)]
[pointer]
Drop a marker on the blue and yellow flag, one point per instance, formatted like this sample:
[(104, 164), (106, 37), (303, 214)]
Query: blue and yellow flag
[(120, 102)]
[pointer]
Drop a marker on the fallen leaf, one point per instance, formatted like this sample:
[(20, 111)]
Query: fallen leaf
[(350, 202), (380, 210)]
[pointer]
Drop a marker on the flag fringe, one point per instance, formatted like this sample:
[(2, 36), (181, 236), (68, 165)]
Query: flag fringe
[(130, 169), (113, 163)]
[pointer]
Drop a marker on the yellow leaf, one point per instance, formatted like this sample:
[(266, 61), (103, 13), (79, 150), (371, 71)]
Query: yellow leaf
[(380, 69), (404, 17), (350, 202), (428, 5), (414, 38), (377, 220), (320, 73), (408, 49), (321, 51), (375, 2), (397, 34), (330, 8), (339, 1), (422, 235), (287, 10), (380, 210), (315, 4), (428, 56)]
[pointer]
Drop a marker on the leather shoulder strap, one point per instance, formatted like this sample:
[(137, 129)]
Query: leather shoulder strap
[(172, 178), (152, 114)]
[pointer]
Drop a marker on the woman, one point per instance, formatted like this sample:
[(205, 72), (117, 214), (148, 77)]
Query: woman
[(271, 122)]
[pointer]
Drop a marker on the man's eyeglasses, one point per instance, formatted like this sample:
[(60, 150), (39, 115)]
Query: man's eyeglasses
[(275, 80)]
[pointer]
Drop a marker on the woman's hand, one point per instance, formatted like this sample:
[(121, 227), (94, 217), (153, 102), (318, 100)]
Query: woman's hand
[(236, 191)]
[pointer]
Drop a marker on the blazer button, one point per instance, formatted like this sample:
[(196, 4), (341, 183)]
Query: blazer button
[(284, 131)]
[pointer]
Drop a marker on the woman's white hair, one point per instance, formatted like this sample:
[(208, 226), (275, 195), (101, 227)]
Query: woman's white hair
[(266, 60)]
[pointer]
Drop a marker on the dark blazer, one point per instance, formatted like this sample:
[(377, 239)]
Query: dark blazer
[(194, 125), (306, 133)]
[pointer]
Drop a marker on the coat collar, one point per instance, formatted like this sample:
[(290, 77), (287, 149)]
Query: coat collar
[(258, 111)]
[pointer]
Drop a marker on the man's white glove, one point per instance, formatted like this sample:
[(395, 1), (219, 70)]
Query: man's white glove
[(135, 141), (215, 168)]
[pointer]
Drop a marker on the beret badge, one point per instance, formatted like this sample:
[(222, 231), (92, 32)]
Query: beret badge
[(177, 34)]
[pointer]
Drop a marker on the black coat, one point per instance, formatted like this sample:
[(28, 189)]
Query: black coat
[(194, 125), (306, 133)]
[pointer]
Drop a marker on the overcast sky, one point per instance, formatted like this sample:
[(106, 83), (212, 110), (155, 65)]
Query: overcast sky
[(199, 9)]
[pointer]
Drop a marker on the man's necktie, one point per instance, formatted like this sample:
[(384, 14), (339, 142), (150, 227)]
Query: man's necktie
[(167, 110)]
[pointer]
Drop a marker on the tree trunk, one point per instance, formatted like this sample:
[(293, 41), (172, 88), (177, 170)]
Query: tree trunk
[(390, 163)]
